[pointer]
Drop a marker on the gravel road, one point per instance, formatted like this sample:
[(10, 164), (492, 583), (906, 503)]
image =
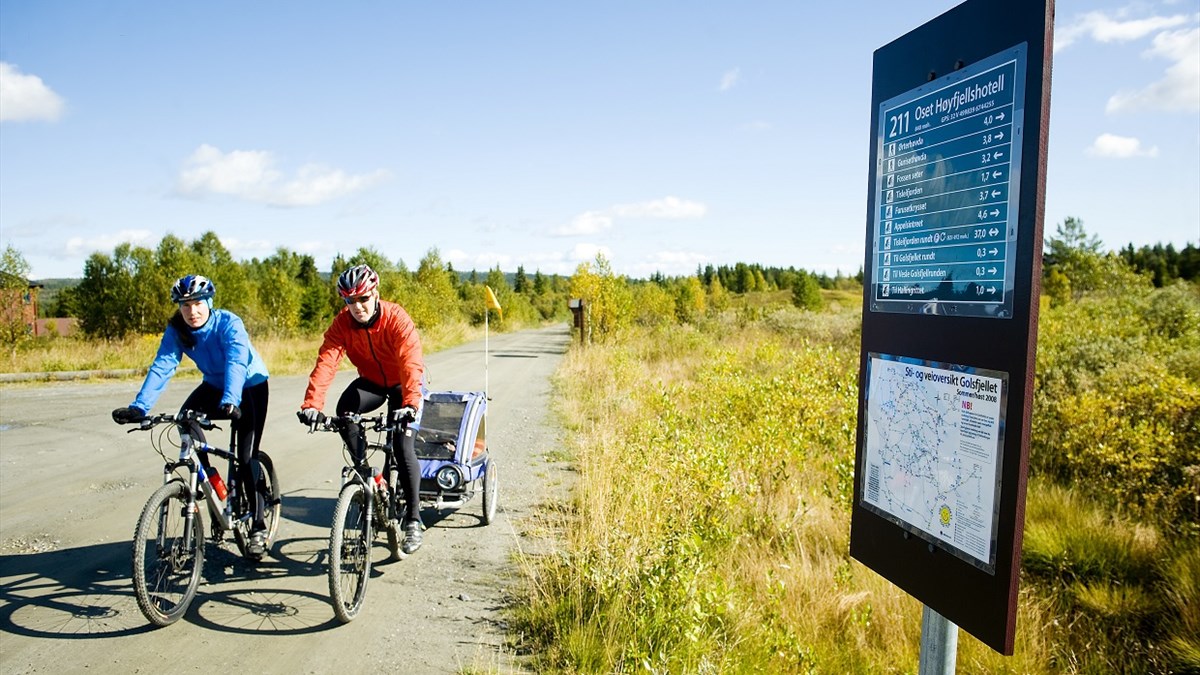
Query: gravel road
[(72, 484)]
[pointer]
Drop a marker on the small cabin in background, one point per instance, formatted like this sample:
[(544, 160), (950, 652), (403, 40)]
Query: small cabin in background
[(19, 301)]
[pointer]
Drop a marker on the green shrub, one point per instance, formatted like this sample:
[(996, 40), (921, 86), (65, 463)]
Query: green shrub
[(1117, 401)]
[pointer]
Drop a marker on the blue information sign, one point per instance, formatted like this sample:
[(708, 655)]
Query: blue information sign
[(946, 194)]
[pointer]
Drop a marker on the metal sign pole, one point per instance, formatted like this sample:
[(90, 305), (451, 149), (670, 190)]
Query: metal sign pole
[(939, 644)]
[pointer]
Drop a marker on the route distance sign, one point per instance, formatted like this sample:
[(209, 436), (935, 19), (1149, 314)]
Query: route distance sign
[(947, 189)]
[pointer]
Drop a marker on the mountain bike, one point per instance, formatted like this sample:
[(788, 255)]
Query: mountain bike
[(168, 541), (366, 504)]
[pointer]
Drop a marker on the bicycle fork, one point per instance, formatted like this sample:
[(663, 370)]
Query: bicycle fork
[(190, 509), (377, 505)]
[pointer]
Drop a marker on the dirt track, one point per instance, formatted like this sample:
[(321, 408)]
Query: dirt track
[(66, 601)]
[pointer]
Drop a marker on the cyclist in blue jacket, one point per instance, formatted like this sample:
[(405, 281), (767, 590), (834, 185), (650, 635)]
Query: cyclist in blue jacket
[(234, 385)]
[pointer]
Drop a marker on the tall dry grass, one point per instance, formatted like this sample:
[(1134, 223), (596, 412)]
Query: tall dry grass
[(708, 531)]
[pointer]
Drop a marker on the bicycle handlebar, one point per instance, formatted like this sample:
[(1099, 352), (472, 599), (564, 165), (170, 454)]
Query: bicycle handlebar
[(196, 417), (376, 422)]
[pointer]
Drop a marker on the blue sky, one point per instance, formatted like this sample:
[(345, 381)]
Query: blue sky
[(665, 134)]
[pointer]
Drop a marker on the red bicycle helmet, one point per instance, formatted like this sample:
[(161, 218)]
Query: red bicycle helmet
[(358, 280)]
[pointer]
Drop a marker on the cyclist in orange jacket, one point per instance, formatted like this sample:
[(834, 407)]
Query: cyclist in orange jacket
[(382, 342)]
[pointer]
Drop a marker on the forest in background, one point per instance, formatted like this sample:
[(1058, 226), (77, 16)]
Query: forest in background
[(125, 292)]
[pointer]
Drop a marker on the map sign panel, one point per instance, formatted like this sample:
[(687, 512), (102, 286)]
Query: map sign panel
[(934, 434), (946, 192)]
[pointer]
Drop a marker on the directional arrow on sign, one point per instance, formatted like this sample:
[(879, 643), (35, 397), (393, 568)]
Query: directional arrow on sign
[(995, 212), (995, 193), (1000, 116), (994, 251), (993, 232), (1000, 135), (991, 270)]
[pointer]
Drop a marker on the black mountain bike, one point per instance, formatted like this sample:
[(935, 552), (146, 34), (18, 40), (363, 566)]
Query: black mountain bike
[(168, 542), (369, 502)]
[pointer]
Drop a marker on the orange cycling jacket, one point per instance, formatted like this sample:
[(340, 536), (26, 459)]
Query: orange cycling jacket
[(386, 352)]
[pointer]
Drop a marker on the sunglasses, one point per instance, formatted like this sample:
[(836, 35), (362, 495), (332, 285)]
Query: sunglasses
[(361, 300)]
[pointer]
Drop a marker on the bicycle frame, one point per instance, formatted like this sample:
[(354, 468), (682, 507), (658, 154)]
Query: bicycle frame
[(352, 473), (220, 509), (383, 509), (197, 480)]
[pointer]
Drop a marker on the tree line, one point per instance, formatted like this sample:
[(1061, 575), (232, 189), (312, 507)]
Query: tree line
[(1164, 264), (127, 291)]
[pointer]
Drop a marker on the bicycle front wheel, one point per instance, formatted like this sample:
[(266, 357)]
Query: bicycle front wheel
[(349, 552), (167, 558)]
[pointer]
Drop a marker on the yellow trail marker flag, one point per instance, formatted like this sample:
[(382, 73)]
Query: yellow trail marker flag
[(490, 300)]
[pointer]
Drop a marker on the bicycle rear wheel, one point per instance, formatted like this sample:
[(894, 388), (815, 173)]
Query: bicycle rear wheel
[(167, 559), (349, 552), (271, 494), (272, 505)]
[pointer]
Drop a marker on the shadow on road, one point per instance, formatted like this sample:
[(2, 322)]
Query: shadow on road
[(86, 592), (315, 511)]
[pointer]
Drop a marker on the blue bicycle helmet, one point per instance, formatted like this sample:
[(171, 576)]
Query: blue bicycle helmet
[(192, 287)]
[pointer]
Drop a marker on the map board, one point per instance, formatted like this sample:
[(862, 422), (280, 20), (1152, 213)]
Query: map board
[(945, 221), (934, 433), (955, 195)]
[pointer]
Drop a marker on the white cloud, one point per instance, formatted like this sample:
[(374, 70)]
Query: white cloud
[(729, 79), (1119, 147), (588, 222), (667, 208), (251, 248), (315, 184), (26, 98), (251, 175), (108, 242), (1179, 89), (465, 262), (1103, 28), (582, 253)]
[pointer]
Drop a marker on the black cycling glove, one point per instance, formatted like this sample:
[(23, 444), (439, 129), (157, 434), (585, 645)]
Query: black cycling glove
[(128, 415)]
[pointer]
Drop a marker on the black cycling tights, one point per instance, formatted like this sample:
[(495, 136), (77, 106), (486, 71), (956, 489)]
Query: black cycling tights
[(247, 432), (364, 396)]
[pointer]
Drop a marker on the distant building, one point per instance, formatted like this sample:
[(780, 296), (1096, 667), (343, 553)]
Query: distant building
[(19, 301)]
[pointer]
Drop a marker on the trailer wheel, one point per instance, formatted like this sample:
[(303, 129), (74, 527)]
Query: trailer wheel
[(490, 493)]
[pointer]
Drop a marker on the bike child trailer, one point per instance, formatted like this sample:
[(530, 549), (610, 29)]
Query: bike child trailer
[(451, 446)]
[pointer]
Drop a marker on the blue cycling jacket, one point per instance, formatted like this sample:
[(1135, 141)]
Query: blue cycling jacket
[(222, 352)]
